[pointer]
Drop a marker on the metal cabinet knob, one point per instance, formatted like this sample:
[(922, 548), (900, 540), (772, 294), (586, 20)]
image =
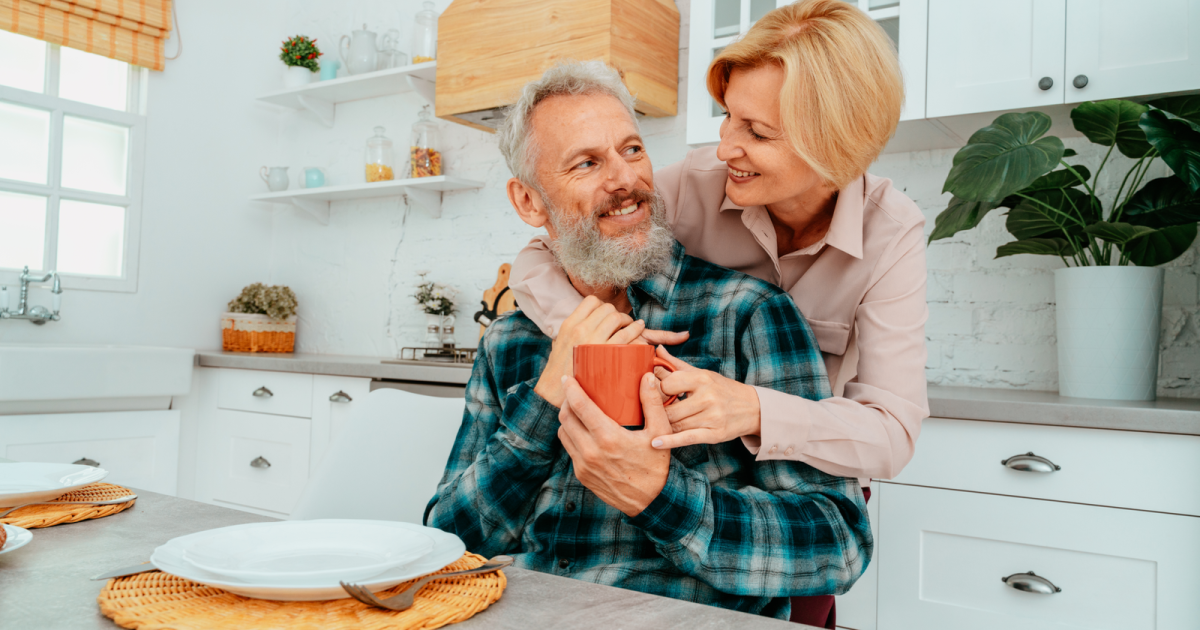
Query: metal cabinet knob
[(1031, 582), (1046, 83), (1030, 463), (263, 392), (87, 462), (260, 462), (341, 397), (1080, 81)]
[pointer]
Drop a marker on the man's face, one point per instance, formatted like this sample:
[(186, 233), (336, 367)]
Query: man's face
[(592, 165)]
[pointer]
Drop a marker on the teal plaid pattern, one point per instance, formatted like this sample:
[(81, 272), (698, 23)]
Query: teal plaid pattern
[(726, 530)]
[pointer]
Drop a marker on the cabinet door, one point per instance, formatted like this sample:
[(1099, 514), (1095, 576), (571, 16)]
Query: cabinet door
[(856, 609), (986, 55), (1131, 47), (139, 449), (334, 398), (944, 554), (257, 460)]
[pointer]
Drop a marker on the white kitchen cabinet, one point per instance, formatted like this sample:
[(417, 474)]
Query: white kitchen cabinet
[(944, 554), (856, 610), (333, 398), (139, 449), (717, 23), (258, 460)]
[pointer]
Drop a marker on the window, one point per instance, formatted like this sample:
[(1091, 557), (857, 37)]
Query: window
[(72, 134)]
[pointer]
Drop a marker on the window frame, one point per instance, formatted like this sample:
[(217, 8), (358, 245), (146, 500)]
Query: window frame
[(135, 120)]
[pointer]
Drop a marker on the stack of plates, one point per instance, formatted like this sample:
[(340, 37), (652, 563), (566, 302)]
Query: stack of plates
[(27, 482), (305, 560)]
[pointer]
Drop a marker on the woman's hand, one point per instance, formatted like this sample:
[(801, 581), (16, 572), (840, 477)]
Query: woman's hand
[(716, 410), (594, 321)]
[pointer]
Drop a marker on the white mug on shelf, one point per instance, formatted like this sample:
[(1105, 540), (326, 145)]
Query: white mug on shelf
[(275, 176)]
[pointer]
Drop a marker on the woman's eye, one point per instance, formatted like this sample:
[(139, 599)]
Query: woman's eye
[(756, 136)]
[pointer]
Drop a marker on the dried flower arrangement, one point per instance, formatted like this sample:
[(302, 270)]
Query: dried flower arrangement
[(435, 298), (300, 51), (276, 302)]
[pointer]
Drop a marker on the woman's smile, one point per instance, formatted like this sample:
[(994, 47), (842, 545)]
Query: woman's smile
[(742, 177)]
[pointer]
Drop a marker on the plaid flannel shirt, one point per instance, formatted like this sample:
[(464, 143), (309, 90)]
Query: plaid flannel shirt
[(726, 530)]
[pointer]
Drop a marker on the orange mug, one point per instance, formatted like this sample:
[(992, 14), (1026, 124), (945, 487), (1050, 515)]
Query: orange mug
[(611, 375)]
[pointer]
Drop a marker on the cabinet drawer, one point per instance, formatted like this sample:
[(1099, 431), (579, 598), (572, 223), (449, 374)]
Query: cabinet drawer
[(280, 393), (1145, 471), (943, 554), (258, 460)]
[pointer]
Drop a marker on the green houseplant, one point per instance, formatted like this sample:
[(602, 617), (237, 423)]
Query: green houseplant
[(1109, 295), (260, 319), (301, 57)]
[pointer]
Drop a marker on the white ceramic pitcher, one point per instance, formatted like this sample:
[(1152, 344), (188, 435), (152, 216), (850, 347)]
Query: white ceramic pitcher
[(275, 176), (359, 52)]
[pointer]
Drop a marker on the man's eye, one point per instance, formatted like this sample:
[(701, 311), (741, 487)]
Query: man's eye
[(633, 150), (585, 164)]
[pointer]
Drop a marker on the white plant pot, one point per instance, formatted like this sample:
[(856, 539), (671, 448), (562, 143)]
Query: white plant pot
[(1108, 324), (296, 76)]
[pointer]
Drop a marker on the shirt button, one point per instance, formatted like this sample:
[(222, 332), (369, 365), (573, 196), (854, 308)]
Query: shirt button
[(564, 563), (773, 449), (570, 506), (789, 451)]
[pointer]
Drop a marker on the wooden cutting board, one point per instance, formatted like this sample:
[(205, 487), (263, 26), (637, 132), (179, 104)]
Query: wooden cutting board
[(497, 300)]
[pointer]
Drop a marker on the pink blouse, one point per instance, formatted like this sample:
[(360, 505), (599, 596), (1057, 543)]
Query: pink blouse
[(862, 289)]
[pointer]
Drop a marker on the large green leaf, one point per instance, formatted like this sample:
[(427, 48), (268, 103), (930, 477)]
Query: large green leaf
[(1117, 233), (1115, 121), (1060, 247), (958, 216), (1161, 246), (1069, 153), (1033, 219), (1187, 107), (1163, 202), (1178, 144), (1004, 157), (1062, 178)]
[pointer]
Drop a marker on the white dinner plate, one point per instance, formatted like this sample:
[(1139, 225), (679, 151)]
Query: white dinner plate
[(298, 552), (17, 537), (446, 549), (29, 482)]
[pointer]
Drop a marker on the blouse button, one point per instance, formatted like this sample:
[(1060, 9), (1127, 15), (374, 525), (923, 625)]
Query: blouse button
[(773, 449), (789, 451)]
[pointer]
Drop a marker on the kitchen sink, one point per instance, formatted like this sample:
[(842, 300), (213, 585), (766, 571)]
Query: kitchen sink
[(43, 378)]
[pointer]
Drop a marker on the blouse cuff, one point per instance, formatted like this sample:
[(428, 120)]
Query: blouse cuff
[(784, 426)]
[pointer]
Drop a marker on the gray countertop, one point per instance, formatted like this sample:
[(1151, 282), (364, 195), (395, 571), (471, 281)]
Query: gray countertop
[(338, 365), (46, 584)]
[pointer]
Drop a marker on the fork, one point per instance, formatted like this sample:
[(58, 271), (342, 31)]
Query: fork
[(404, 600), (124, 499)]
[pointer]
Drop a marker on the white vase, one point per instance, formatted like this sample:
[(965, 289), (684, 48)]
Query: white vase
[(1108, 323), (297, 76)]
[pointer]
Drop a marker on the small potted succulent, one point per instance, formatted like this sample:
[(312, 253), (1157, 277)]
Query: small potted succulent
[(261, 319), (300, 54)]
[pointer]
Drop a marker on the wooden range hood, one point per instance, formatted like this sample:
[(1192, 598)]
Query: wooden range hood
[(489, 49)]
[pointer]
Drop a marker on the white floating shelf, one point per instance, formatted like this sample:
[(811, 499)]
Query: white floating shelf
[(321, 96), (425, 192)]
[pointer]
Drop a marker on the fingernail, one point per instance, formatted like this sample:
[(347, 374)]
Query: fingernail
[(657, 443), (564, 379)]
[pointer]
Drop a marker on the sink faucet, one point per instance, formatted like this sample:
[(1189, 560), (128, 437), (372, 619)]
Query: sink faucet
[(38, 314)]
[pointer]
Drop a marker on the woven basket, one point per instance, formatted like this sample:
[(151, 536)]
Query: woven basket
[(243, 332)]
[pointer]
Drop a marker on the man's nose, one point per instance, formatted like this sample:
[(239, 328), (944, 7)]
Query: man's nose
[(621, 174)]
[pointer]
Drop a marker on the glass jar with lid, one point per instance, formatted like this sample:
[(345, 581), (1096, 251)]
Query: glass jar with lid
[(425, 157), (424, 41), (379, 157)]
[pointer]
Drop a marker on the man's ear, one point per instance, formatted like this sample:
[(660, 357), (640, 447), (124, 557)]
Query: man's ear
[(528, 203)]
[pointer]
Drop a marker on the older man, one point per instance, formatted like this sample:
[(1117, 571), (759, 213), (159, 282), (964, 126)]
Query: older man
[(567, 491)]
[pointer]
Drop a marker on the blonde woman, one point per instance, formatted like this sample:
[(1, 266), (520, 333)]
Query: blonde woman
[(812, 93)]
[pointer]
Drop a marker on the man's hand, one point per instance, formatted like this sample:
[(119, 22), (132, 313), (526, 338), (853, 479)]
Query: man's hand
[(617, 464), (594, 321), (717, 409)]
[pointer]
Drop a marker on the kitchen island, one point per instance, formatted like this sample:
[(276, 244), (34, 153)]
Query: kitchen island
[(47, 585)]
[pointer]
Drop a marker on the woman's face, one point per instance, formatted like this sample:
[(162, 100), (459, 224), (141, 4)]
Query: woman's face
[(763, 169)]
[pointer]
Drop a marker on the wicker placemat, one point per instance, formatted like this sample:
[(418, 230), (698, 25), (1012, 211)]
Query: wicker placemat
[(47, 515), (156, 600)]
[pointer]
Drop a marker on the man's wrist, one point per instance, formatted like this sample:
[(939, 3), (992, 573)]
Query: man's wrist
[(677, 509)]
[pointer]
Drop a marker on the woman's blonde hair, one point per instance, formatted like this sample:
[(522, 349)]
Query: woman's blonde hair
[(842, 89)]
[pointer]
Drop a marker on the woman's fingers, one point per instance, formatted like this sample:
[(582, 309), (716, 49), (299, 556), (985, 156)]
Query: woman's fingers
[(628, 334), (689, 407), (608, 326), (664, 337), (681, 381), (686, 438)]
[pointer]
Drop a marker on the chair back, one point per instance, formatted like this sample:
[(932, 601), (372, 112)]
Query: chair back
[(387, 460)]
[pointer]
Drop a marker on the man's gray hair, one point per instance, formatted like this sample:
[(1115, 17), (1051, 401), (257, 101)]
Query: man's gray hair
[(566, 78)]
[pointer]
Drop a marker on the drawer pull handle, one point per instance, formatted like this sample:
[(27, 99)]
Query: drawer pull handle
[(263, 392), (341, 397), (260, 462), (87, 462), (1031, 583), (1030, 463)]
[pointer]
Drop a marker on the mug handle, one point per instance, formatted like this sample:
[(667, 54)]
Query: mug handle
[(262, 172), (663, 363)]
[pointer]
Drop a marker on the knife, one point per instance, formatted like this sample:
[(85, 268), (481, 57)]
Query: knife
[(144, 567)]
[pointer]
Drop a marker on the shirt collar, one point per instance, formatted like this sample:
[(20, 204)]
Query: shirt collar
[(846, 229), (660, 286)]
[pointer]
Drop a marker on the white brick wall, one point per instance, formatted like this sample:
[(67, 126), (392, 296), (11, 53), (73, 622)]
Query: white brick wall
[(991, 321)]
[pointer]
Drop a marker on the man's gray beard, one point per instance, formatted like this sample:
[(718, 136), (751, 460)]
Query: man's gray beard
[(600, 261)]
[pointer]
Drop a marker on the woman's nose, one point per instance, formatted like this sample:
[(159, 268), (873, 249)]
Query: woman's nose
[(729, 148)]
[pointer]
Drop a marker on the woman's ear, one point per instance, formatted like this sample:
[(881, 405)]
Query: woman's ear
[(528, 203)]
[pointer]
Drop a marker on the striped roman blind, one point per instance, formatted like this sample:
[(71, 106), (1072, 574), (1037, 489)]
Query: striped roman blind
[(132, 31)]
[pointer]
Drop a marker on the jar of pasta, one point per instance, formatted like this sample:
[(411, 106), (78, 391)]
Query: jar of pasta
[(379, 157), (424, 155)]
